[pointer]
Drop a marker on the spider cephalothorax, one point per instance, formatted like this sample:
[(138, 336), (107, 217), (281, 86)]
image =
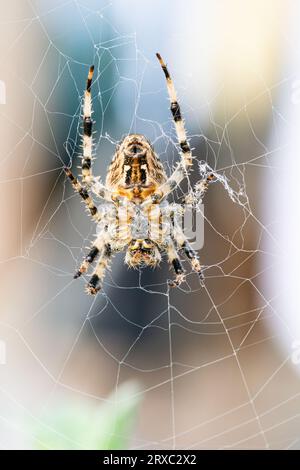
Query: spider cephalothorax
[(136, 216)]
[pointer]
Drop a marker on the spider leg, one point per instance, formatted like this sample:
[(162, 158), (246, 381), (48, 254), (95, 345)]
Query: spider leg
[(183, 166), (97, 277), (84, 194), (175, 261), (201, 187), (182, 242), (87, 130), (92, 255), (186, 154), (88, 178), (193, 258)]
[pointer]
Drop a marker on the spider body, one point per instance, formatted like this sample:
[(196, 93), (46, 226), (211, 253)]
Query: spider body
[(135, 215)]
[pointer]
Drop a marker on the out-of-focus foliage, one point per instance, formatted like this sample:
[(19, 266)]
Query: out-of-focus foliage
[(78, 426)]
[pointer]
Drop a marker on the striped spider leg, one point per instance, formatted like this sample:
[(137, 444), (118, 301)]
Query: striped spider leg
[(184, 165), (88, 179), (113, 236), (101, 246), (84, 194), (182, 168), (86, 162), (177, 242), (183, 244), (173, 258), (105, 254), (102, 250)]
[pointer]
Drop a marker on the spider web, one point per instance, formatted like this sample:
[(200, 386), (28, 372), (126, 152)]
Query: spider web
[(212, 363)]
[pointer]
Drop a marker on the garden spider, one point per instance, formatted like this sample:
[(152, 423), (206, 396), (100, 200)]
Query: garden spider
[(135, 196)]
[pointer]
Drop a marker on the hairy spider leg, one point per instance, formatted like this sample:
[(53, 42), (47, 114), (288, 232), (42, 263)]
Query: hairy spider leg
[(183, 244), (83, 192), (186, 153), (97, 277), (181, 169), (173, 259), (92, 255), (86, 163), (88, 179)]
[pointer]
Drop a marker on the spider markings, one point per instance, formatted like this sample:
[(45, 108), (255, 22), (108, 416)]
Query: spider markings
[(135, 171), (84, 194), (87, 128), (175, 110), (135, 194)]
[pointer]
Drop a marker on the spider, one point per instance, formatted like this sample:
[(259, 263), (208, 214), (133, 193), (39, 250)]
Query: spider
[(134, 196)]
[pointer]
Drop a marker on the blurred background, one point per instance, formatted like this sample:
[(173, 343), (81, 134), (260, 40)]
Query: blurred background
[(212, 367)]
